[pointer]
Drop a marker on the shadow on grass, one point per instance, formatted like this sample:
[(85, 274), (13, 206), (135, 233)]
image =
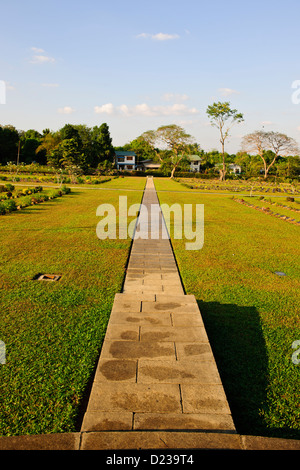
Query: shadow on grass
[(239, 348)]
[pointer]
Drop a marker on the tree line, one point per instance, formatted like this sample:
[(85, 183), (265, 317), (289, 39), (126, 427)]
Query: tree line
[(85, 148), (73, 145)]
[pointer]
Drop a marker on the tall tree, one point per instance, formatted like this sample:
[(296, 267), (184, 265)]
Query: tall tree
[(49, 143), (70, 132), (150, 137), (260, 142), (224, 118), (142, 148), (177, 141), (9, 140), (70, 153), (103, 144)]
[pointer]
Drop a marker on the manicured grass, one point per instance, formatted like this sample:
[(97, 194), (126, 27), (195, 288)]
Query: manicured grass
[(277, 206), (53, 332), (126, 182), (252, 315), (252, 186)]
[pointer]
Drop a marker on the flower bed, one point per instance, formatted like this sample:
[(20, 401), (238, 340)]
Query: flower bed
[(12, 200)]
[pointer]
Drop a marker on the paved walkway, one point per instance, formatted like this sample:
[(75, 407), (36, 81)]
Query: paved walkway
[(156, 370)]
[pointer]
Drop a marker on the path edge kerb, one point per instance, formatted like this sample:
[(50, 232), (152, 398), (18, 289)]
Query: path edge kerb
[(162, 440)]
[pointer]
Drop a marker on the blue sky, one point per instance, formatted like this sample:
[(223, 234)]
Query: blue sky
[(140, 64)]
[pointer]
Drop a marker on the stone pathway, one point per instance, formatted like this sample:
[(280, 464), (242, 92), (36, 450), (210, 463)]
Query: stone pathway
[(156, 370)]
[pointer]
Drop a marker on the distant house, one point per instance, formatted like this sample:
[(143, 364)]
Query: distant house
[(125, 160), (195, 162), (148, 165), (236, 169)]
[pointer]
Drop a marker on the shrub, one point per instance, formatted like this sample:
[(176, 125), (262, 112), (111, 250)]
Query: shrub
[(27, 191), (38, 189), (54, 193), (290, 199), (9, 205), (65, 190), (2, 208), (24, 201), (9, 187), (38, 198)]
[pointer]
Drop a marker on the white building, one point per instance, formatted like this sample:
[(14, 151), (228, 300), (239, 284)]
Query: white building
[(195, 162), (236, 169), (125, 160)]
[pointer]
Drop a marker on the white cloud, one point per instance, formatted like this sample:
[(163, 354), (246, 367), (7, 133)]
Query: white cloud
[(40, 57), (104, 109), (228, 92), (37, 50), (143, 36), (164, 37), (143, 109), (158, 36), (66, 110)]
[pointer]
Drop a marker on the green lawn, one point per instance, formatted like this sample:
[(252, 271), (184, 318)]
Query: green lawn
[(126, 182), (53, 331), (251, 314), (277, 206)]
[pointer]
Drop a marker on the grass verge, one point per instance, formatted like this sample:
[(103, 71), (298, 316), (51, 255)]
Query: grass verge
[(250, 313), (53, 331)]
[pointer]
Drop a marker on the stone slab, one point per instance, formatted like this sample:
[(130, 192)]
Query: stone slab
[(121, 332), (201, 398), (107, 421), (186, 371), (195, 351), (116, 370), (138, 350), (135, 398), (178, 334), (187, 319), (132, 297), (182, 299), (125, 305), (155, 319), (143, 289), (171, 306), (176, 421), (171, 289)]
